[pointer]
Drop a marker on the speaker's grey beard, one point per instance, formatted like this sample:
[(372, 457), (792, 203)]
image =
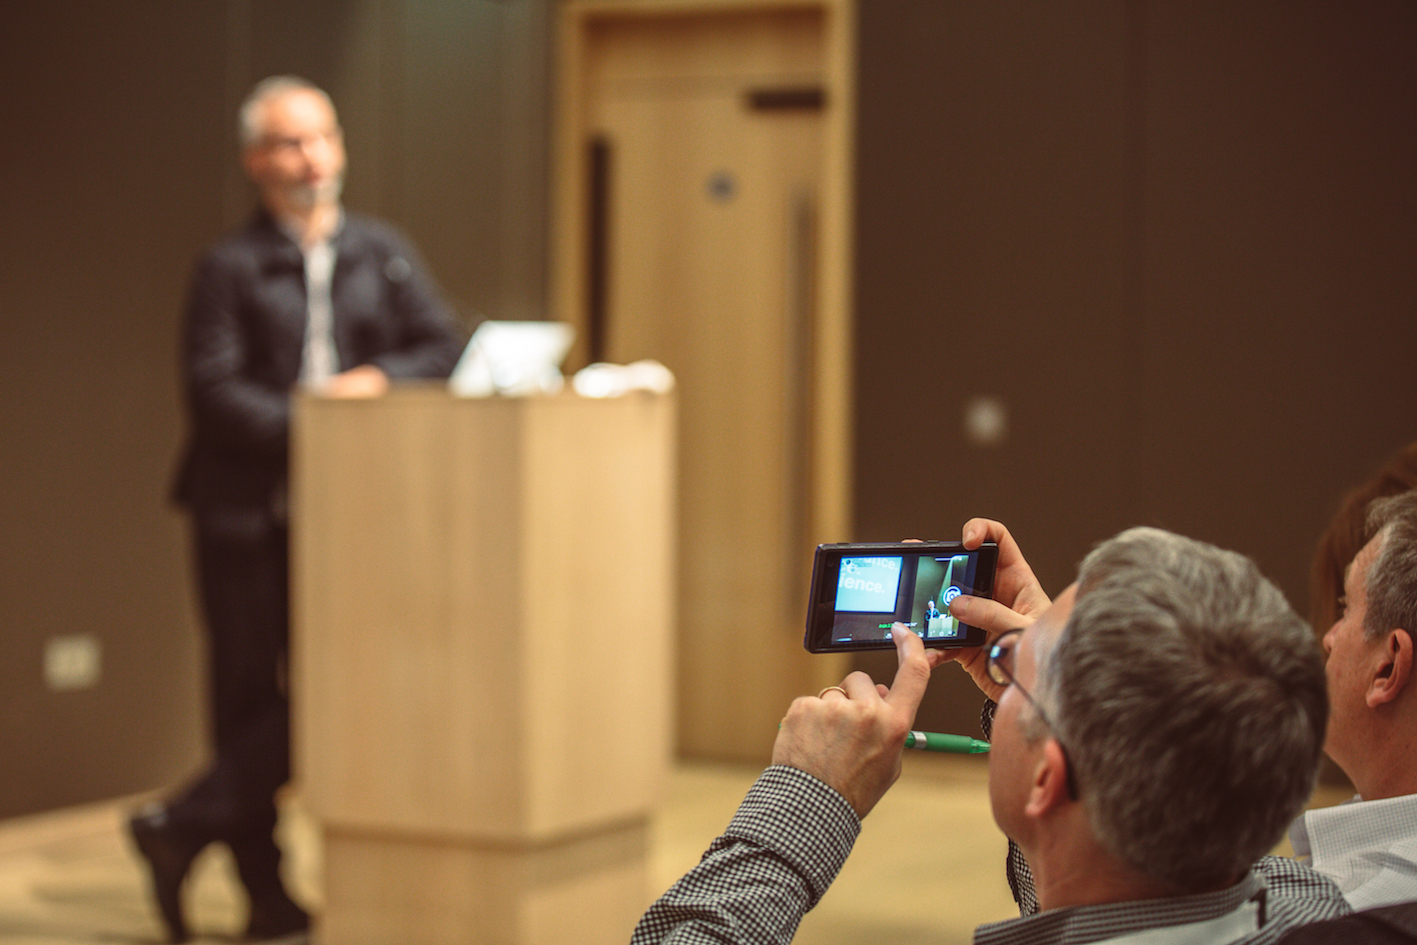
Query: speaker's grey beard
[(306, 197)]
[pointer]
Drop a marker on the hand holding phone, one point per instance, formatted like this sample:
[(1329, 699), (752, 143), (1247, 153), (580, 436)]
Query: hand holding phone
[(860, 591)]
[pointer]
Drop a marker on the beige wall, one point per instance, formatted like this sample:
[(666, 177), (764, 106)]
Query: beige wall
[(1177, 239)]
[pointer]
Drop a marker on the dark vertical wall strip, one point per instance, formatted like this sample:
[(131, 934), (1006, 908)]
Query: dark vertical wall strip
[(598, 154)]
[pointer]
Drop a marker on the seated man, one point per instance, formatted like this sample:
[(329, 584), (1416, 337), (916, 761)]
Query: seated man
[(1157, 728), (1368, 847)]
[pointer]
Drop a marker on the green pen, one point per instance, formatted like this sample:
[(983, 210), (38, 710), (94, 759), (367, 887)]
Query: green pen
[(955, 744)]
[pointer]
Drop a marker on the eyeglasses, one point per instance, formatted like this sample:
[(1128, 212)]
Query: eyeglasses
[(1001, 670)]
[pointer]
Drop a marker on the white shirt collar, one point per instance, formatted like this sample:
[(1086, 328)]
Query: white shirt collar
[(1368, 848)]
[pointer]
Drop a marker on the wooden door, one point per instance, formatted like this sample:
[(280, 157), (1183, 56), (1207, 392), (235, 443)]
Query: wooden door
[(707, 135)]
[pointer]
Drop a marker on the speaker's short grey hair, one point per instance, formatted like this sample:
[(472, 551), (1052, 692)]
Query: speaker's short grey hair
[(249, 124)]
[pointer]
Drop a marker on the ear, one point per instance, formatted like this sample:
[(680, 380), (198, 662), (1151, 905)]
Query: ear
[(1394, 671), (1050, 781)]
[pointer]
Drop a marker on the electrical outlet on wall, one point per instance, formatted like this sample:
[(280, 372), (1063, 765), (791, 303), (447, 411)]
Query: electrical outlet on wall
[(72, 662)]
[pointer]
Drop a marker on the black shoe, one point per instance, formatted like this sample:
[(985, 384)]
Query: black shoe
[(277, 919), (169, 858)]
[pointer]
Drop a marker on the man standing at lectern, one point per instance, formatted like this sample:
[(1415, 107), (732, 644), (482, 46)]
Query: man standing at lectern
[(309, 295)]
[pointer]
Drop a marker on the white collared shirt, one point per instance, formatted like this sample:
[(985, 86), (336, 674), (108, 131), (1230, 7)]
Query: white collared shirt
[(320, 361), (1368, 848)]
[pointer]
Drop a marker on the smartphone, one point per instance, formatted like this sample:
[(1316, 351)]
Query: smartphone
[(860, 590)]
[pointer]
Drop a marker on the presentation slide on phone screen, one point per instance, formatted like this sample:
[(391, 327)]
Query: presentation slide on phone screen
[(874, 592)]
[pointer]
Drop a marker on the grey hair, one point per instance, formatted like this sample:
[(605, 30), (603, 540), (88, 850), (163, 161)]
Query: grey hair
[(1190, 700), (1392, 577), (249, 116)]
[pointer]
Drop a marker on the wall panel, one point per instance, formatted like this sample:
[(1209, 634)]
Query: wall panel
[(1176, 240)]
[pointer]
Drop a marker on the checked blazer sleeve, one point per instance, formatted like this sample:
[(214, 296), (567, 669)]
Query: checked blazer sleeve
[(781, 851)]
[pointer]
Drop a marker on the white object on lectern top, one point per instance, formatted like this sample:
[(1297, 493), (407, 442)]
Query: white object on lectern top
[(512, 358), (612, 380)]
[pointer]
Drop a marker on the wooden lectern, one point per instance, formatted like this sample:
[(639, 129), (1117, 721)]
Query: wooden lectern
[(481, 660)]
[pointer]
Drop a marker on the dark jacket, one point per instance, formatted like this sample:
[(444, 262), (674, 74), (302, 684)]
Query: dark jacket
[(243, 339)]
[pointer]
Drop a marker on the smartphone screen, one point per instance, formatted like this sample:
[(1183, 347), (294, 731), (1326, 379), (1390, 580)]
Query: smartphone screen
[(859, 591)]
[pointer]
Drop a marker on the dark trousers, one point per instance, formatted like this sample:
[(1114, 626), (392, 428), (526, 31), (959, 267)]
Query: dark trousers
[(243, 578)]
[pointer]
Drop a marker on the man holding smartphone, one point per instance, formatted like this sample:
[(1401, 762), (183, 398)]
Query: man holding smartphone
[(1156, 729), (1369, 846)]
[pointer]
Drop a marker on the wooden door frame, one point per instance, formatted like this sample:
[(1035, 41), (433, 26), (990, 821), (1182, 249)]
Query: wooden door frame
[(831, 384)]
